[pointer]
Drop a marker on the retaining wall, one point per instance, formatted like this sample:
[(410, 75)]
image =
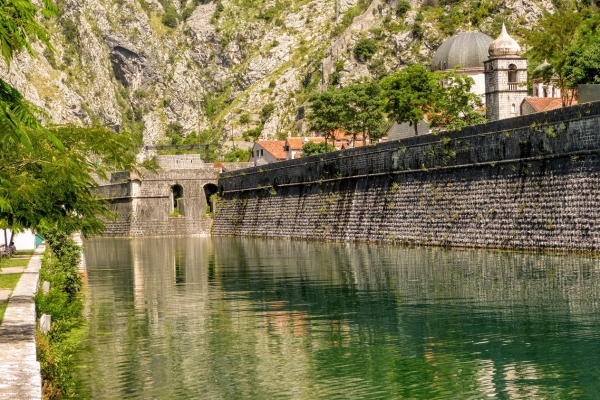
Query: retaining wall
[(530, 182)]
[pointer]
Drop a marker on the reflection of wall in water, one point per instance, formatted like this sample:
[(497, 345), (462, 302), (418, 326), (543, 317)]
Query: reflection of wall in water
[(415, 275)]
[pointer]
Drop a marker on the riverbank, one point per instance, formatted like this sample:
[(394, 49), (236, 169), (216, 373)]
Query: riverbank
[(19, 369)]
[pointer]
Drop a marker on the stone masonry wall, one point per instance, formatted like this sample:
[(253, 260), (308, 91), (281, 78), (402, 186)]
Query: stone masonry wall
[(144, 204), (530, 182)]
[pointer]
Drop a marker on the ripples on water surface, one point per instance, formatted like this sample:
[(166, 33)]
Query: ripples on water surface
[(227, 318)]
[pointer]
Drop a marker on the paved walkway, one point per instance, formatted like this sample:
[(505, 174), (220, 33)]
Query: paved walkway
[(19, 370)]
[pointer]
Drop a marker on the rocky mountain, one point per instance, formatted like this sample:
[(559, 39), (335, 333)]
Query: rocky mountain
[(152, 66)]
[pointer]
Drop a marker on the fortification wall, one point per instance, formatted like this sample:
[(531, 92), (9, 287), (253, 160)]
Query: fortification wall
[(144, 204), (529, 182)]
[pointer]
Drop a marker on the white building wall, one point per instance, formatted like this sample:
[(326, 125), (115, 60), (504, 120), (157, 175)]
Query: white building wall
[(23, 241)]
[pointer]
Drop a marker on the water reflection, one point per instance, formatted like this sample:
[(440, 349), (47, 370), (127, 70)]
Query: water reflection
[(249, 318)]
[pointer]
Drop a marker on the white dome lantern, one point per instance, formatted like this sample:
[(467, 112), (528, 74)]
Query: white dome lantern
[(504, 45)]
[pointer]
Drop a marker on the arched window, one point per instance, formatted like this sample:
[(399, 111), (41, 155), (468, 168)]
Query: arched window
[(512, 73), (513, 108), (209, 190), (177, 191)]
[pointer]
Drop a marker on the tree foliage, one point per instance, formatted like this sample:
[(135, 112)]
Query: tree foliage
[(568, 40), (363, 112), (312, 148), (19, 25), (444, 99), (326, 112), (365, 48), (47, 172), (456, 105), (411, 94)]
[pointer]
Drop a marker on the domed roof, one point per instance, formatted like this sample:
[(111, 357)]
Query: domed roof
[(467, 49), (504, 45), (542, 66)]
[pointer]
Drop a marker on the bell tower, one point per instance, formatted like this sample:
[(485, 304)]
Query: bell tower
[(505, 78)]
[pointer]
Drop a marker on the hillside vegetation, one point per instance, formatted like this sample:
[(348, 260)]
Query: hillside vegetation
[(167, 69)]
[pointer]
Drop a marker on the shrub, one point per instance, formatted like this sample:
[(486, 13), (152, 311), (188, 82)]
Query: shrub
[(170, 18), (267, 111), (63, 303), (365, 48), (334, 78), (402, 8), (244, 118), (252, 134)]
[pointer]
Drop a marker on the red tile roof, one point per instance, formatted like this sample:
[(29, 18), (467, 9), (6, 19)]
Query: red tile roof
[(296, 143), (544, 103), (275, 147)]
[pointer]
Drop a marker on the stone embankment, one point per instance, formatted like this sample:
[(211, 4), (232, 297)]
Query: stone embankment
[(531, 182), (19, 369)]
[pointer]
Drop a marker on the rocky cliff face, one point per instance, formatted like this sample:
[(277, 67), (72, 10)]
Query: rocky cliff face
[(142, 65)]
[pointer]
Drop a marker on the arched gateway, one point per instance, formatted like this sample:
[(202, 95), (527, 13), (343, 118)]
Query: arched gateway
[(172, 201)]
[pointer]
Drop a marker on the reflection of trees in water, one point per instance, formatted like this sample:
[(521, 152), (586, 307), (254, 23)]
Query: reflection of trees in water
[(194, 312)]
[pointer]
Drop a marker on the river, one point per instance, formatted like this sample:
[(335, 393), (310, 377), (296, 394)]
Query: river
[(232, 318)]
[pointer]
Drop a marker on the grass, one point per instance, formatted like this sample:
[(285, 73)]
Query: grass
[(7, 281), (16, 261)]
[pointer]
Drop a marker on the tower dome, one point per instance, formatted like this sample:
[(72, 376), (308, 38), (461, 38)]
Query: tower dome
[(467, 49), (504, 45)]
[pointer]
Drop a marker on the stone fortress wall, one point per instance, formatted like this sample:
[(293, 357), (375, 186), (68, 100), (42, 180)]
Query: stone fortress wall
[(530, 182), (145, 205)]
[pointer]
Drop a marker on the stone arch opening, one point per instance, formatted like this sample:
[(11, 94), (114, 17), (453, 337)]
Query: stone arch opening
[(512, 73), (177, 194), (209, 190)]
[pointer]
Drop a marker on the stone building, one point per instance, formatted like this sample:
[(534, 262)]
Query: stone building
[(505, 78), (174, 201)]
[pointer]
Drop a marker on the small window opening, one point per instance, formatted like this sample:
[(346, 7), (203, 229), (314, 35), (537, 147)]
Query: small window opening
[(177, 191)]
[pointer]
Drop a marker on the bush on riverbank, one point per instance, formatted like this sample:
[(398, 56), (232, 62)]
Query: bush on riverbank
[(64, 304)]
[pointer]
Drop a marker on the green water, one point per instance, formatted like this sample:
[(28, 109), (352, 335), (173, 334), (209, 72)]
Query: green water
[(227, 318)]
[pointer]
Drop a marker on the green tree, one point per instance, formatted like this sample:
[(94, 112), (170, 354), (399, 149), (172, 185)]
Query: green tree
[(312, 148), (552, 39), (50, 186), (363, 110), (170, 18), (456, 106), (410, 94), (212, 139), (582, 64), (326, 110), (238, 155), (46, 172)]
